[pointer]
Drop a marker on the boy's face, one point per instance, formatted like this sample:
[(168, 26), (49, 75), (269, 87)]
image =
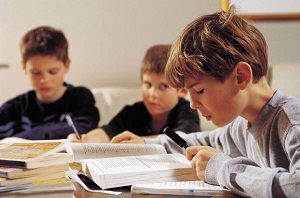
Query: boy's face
[(219, 102), (46, 74), (159, 98)]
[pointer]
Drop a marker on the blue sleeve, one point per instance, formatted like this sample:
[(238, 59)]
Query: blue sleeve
[(85, 115), (10, 113)]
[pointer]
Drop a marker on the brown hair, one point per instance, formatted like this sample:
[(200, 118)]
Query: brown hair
[(44, 41), (212, 45), (155, 59)]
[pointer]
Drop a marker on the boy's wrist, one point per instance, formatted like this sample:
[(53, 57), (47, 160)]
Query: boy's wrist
[(214, 168)]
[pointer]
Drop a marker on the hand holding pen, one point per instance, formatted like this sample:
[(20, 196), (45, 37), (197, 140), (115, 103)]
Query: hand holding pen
[(198, 155), (175, 137), (71, 124)]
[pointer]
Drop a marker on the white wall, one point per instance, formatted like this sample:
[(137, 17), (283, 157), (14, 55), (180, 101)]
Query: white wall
[(108, 38)]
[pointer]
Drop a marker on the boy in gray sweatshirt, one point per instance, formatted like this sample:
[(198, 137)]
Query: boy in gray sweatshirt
[(222, 60)]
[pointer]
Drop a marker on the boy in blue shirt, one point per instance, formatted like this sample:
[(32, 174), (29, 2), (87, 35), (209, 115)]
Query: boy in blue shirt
[(40, 113)]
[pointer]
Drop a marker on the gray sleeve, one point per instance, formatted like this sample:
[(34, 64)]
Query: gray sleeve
[(244, 177), (220, 138)]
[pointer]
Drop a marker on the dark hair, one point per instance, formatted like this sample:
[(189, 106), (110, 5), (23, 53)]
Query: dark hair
[(44, 41), (155, 59), (212, 45)]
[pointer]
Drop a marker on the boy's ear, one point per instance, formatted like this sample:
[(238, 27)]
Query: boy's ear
[(244, 74), (67, 65), (182, 92), (24, 66)]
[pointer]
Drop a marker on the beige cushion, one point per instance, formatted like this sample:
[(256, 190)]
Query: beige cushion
[(285, 77), (110, 100)]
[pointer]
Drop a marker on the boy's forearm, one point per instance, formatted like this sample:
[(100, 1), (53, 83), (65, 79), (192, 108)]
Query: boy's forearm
[(97, 135)]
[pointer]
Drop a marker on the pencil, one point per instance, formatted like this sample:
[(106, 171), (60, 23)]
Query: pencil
[(71, 123)]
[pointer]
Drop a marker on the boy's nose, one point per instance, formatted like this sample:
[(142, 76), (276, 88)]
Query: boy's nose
[(153, 92), (195, 104), (43, 78)]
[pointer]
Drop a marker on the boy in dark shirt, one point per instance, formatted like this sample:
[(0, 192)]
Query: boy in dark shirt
[(40, 113), (161, 106)]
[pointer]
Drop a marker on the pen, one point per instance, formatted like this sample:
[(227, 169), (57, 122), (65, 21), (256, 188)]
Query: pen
[(71, 123), (175, 137)]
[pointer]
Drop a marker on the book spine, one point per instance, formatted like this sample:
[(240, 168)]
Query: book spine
[(3, 174), (13, 163)]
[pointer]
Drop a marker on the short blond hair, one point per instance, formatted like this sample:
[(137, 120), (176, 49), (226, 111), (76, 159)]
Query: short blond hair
[(212, 45)]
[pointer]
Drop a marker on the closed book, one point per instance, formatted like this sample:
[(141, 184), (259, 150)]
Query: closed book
[(34, 154), (14, 173), (25, 180), (59, 187)]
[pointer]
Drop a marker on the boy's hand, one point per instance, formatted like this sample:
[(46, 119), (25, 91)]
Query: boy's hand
[(73, 138), (127, 137), (199, 157), (94, 136)]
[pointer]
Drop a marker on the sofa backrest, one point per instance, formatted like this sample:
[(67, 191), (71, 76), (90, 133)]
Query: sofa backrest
[(284, 76), (110, 100)]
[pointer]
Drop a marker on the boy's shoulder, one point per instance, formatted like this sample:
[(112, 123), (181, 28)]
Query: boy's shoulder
[(137, 109), (26, 96), (289, 106), (80, 88)]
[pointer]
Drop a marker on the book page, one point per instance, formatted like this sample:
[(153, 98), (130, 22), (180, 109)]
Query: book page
[(197, 187), (104, 150), (180, 185), (136, 163)]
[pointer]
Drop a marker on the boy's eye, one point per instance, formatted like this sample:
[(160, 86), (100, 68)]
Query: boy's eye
[(55, 71), (200, 92), (35, 73), (164, 86), (147, 84)]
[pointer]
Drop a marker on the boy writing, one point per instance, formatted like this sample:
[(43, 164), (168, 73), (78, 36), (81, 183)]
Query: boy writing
[(161, 106), (222, 60), (40, 113)]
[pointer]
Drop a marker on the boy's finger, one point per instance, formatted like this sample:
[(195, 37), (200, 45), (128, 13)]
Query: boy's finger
[(72, 137), (119, 138), (191, 151), (84, 138)]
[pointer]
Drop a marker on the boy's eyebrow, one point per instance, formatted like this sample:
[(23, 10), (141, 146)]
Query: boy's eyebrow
[(192, 85)]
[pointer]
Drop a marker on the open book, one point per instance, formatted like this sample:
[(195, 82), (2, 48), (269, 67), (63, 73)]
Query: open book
[(192, 188), (116, 165), (34, 154), (124, 171)]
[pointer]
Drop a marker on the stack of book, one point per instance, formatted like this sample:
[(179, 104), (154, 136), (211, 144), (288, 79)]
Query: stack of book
[(34, 167)]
